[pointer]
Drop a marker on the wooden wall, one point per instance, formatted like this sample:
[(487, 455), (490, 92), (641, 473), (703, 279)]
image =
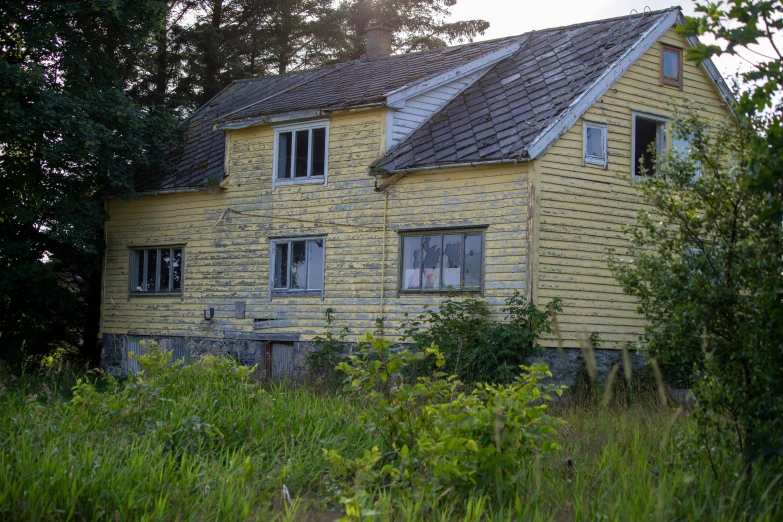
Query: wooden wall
[(227, 259), (582, 208)]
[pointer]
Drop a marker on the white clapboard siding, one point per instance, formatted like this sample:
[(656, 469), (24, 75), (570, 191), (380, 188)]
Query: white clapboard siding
[(421, 107)]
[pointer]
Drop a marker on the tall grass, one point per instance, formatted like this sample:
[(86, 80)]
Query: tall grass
[(206, 443)]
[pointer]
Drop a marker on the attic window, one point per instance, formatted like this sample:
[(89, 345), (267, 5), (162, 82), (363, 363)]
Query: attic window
[(301, 153), (594, 146), (671, 66), (649, 140)]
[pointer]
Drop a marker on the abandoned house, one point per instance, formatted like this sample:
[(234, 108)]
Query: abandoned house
[(375, 187)]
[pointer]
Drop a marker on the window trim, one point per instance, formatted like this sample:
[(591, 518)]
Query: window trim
[(652, 117), (666, 80), (133, 249), (590, 160), (287, 292), (293, 127), (472, 230)]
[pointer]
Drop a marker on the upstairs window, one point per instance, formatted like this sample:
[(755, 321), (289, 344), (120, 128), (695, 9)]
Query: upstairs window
[(441, 262), (649, 139), (298, 266), (301, 153), (156, 271), (683, 146), (671, 66), (594, 144)]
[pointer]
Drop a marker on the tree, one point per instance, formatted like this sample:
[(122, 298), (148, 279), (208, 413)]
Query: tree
[(70, 134), (705, 265), (738, 26)]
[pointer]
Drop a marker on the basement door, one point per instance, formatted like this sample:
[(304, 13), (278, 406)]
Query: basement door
[(280, 363)]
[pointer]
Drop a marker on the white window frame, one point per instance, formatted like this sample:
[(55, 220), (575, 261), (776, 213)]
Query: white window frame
[(592, 160), (661, 141), (310, 180), (170, 292), (277, 292)]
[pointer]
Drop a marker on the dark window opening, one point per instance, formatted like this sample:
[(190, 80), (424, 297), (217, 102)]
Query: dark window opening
[(649, 141)]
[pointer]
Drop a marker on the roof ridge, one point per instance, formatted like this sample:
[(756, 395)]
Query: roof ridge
[(307, 79)]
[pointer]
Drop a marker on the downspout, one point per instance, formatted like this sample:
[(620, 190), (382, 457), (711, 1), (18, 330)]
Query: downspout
[(383, 255)]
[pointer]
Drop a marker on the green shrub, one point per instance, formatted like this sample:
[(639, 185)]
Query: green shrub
[(329, 351), (476, 348), (435, 437)]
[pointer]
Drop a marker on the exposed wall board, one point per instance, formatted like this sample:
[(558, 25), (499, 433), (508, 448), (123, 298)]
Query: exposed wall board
[(583, 208), (421, 107), (227, 254)]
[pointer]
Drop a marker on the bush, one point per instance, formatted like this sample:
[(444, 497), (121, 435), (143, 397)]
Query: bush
[(329, 351), (476, 348), (705, 266), (438, 439)]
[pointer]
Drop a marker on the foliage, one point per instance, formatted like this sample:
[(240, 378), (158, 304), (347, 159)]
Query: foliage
[(69, 135), (476, 348), (619, 462), (437, 438), (705, 265), (205, 45), (750, 25), (329, 351)]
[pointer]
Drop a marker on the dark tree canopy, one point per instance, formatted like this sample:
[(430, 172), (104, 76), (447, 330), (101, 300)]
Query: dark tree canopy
[(69, 135)]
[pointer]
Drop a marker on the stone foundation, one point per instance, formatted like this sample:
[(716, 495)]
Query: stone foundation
[(284, 356)]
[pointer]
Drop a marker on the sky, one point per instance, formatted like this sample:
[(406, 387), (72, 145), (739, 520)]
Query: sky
[(511, 17)]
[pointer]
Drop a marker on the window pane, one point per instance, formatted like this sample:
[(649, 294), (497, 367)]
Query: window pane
[(473, 257), (165, 269), (411, 262), (302, 149), (152, 263), (319, 151), (137, 271), (281, 265), (299, 265), (595, 142), (176, 270), (452, 261), (431, 261), (315, 264), (671, 65), (284, 155)]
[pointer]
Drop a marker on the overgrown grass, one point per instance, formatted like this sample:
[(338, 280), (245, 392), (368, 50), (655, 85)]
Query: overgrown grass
[(208, 444)]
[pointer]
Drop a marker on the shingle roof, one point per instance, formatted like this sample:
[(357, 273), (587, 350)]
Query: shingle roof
[(202, 151), (495, 118)]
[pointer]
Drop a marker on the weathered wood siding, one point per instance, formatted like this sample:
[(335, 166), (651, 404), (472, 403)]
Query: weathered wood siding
[(581, 209), (228, 261), (420, 108)]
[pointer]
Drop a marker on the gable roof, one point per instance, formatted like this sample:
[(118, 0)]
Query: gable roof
[(525, 102), (536, 86)]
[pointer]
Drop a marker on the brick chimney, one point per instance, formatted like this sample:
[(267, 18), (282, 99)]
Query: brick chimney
[(379, 42)]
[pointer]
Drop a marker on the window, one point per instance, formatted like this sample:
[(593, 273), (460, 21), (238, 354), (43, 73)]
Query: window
[(648, 131), (156, 271), (671, 66), (298, 266), (301, 153), (594, 146), (683, 146), (434, 262)]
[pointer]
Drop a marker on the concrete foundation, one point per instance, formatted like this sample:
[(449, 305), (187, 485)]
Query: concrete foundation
[(284, 356)]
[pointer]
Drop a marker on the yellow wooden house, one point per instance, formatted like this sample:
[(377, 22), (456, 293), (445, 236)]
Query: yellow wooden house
[(374, 187)]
